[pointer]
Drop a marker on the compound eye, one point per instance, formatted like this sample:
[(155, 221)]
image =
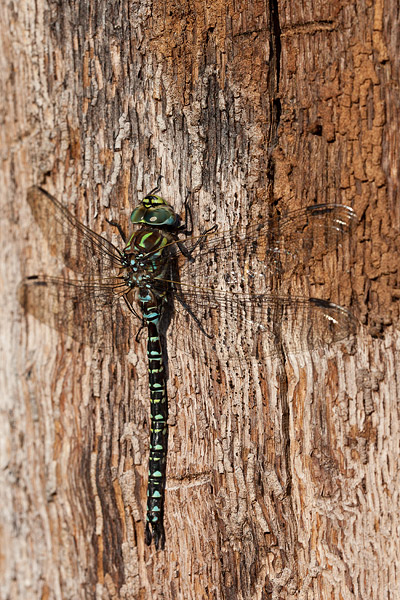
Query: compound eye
[(138, 214), (160, 215)]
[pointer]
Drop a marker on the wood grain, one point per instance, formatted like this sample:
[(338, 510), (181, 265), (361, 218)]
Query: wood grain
[(282, 480)]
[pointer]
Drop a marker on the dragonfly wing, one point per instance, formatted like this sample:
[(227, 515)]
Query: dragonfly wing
[(275, 246), (88, 312), (337, 218), (244, 326), (313, 231), (81, 249)]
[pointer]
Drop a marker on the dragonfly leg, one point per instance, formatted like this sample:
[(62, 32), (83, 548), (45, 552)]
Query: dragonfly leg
[(212, 229), (118, 226), (191, 313), (188, 253), (131, 309), (139, 333), (158, 186), (187, 228)]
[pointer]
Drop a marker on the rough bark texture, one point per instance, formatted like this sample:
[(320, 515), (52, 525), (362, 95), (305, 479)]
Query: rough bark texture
[(283, 482)]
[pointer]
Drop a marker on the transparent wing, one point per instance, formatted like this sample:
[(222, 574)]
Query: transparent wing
[(243, 326), (81, 249), (88, 311), (227, 289), (277, 246)]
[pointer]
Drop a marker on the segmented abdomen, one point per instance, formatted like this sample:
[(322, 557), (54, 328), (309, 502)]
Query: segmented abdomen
[(158, 427)]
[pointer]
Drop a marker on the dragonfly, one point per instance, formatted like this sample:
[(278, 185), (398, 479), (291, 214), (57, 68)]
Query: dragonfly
[(216, 288)]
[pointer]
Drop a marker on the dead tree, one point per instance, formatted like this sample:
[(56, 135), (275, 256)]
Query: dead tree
[(282, 475)]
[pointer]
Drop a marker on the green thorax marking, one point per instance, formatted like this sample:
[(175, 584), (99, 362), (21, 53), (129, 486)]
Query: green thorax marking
[(146, 242)]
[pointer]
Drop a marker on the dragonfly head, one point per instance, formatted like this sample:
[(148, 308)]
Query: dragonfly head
[(153, 210)]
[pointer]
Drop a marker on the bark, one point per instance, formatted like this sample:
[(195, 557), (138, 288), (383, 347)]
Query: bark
[(283, 477)]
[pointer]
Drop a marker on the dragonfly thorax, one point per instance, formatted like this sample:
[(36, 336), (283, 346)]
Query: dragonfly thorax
[(146, 257), (146, 244)]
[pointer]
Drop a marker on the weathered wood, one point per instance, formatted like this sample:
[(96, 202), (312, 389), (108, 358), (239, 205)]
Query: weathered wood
[(282, 481)]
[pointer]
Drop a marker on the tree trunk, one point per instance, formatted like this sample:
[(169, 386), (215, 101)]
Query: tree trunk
[(282, 477)]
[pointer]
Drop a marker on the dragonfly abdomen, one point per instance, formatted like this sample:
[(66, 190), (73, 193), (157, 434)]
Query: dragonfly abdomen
[(151, 304), (158, 438)]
